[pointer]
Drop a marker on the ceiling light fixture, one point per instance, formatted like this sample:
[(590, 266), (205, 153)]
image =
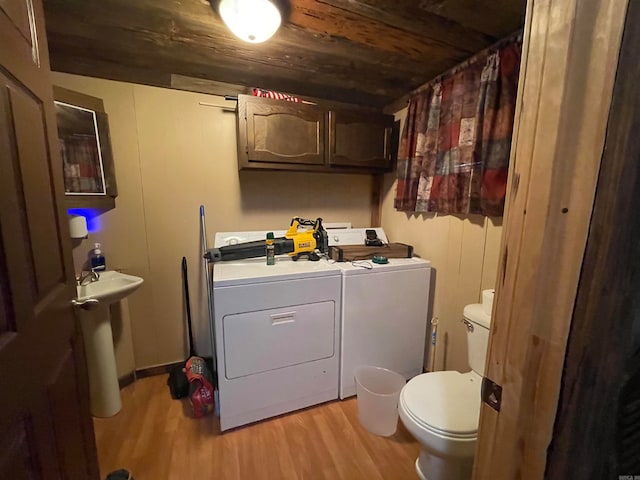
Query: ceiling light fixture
[(253, 21)]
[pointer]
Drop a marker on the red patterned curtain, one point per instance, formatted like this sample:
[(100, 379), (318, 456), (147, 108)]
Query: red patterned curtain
[(454, 149)]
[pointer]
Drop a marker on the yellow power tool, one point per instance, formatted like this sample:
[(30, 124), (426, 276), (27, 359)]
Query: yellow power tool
[(297, 241)]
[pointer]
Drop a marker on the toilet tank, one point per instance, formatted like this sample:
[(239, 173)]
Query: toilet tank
[(477, 324)]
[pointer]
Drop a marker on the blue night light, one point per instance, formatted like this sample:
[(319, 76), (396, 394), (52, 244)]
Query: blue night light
[(92, 215)]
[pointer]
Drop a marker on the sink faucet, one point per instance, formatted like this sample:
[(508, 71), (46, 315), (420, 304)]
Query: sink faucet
[(92, 275)]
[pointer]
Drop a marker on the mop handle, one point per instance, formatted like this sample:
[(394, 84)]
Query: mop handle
[(212, 333)]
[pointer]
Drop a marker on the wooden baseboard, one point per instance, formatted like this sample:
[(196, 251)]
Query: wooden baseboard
[(127, 380), (157, 370), (146, 372)]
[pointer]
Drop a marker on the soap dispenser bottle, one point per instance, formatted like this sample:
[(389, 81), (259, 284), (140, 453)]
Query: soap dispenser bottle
[(98, 262)]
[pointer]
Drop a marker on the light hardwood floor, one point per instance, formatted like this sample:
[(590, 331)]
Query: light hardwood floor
[(156, 438)]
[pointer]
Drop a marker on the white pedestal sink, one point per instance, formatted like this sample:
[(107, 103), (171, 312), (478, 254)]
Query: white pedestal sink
[(94, 300)]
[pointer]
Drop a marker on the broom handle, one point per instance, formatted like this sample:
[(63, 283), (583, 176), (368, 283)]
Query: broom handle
[(185, 280)]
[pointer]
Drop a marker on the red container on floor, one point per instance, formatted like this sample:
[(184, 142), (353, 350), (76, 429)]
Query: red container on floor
[(200, 386)]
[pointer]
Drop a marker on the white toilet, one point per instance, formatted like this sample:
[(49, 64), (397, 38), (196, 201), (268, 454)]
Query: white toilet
[(442, 409)]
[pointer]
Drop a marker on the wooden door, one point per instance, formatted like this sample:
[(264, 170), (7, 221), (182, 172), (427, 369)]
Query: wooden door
[(601, 372), (360, 139), (570, 54), (280, 132), (45, 427)]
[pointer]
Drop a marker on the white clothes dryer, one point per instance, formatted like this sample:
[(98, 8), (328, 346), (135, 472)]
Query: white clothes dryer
[(277, 334)]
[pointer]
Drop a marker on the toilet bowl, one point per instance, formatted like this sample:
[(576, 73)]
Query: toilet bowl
[(442, 409)]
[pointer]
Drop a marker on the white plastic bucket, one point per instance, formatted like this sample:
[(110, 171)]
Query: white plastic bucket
[(378, 391)]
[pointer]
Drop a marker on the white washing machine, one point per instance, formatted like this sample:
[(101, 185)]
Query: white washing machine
[(277, 334), (384, 313)]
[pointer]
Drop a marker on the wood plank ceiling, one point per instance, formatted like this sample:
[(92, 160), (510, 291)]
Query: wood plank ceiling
[(369, 52)]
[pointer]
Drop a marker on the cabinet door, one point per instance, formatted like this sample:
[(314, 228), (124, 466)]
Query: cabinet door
[(281, 132), (85, 147), (358, 139)]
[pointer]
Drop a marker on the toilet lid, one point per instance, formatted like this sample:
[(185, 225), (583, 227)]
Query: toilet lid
[(445, 401)]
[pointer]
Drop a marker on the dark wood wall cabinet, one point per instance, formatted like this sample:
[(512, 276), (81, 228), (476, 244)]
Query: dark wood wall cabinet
[(85, 147), (281, 135)]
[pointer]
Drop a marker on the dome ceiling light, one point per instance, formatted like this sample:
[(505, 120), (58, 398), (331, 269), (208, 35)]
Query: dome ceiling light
[(253, 21)]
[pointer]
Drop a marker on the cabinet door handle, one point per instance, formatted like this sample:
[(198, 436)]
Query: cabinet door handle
[(282, 318)]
